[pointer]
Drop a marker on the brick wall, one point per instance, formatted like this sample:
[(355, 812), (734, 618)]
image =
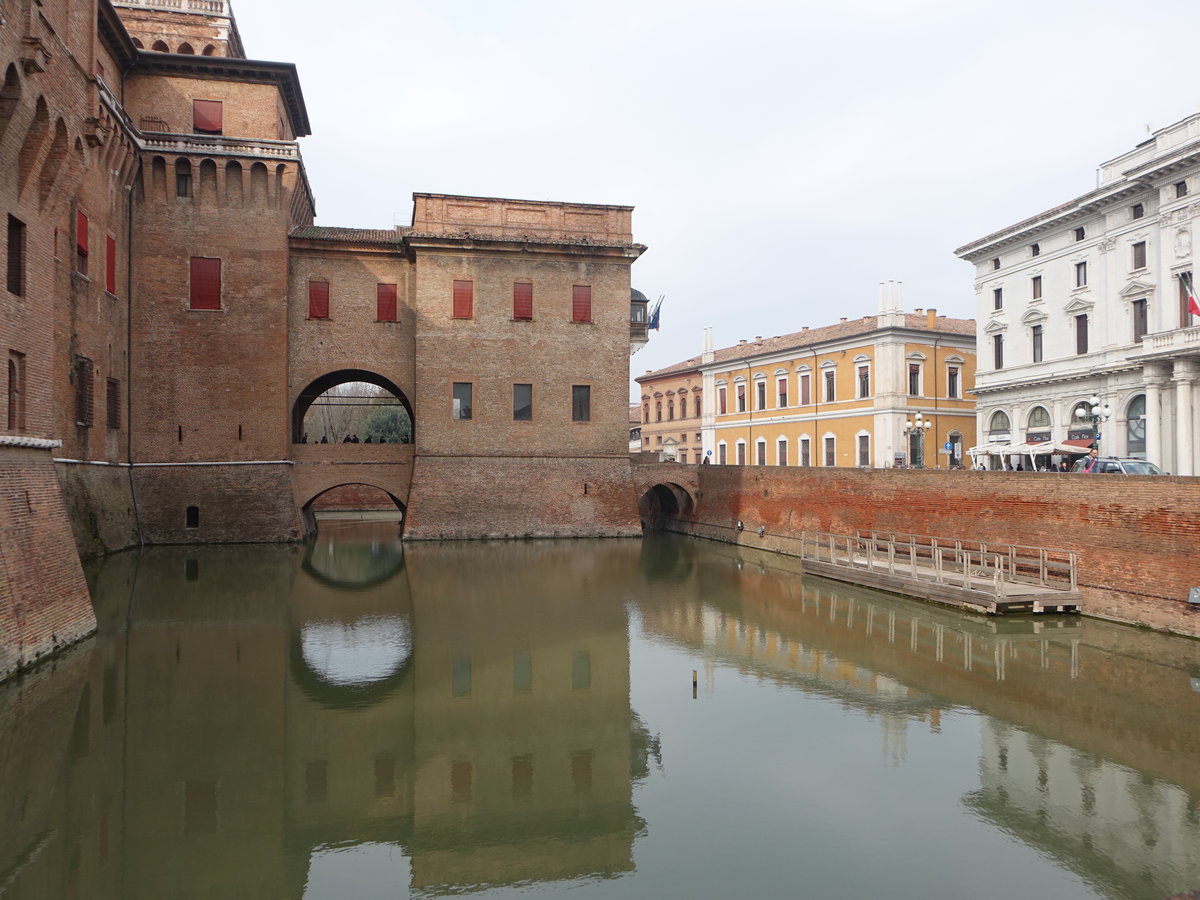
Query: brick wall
[(44, 602), (1136, 537), (100, 506)]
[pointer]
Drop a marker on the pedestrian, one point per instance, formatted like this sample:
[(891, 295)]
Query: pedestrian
[(1093, 461)]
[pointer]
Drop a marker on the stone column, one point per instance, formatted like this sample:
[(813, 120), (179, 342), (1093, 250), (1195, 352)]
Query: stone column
[(1185, 376), (1155, 377)]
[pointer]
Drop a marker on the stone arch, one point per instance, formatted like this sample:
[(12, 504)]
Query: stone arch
[(186, 49), (209, 50), (325, 489), (207, 193), (258, 184), (280, 171), (53, 161), (158, 179), (233, 184), (304, 400), (160, 47), (10, 96), (664, 505), (31, 147)]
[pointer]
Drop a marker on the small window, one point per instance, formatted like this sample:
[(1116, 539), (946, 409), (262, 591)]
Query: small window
[(1035, 250), (581, 303), (81, 243), (1181, 189), (1081, 334), (1081, 274), (464, 299), (581, 403), (805, 390), (996, 264), (864, 381), (207, 116), (110, 264), (864, 450), (318, 299), (191, 517), (461, 400), (914, 379), (205, 283), (722, 400), (1080, 234), (1140, 320), (781, 452), (16, 256), (830, 386), (696, 406), (1137, 211), (805, 452), (998, 298), (952, 382), (830, 458), (1139, 255), (722, 453), (671, 410), (741, 398), (998, 351), (1036, 287), (657, 410), (385, 303), (781, 393), (760, 394), (760, 453), (522, 402), (84, 373), (522, 300), (741, 453), (113, 403), (1036, 337)]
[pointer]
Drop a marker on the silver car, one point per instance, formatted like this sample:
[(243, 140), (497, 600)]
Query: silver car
[(1119, 465)]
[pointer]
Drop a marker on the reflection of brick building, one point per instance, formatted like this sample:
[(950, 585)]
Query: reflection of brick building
[(169, 310)]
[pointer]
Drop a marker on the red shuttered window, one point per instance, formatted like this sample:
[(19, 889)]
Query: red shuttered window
[(464, 299), (318, 299), (581, 303), (81, 234), (206, 283), (385, 303), (207, 116), (110, 264), (522, 300)]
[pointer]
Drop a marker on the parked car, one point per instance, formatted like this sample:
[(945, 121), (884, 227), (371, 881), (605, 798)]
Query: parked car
[(1120, 465)]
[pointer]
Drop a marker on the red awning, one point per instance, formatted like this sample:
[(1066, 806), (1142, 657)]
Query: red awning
[(1079, 442)]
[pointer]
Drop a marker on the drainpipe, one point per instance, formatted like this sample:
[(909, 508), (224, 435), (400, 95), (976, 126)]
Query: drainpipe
[(137, 515)]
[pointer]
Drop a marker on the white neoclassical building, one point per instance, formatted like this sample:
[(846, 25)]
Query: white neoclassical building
[(1085, 300)]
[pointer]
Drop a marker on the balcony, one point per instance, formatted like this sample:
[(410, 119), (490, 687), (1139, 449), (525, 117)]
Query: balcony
[(1166, 344), (197, 7)]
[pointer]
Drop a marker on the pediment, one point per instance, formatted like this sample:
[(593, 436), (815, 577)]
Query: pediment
[(1137, 288), (995, 327), (1079, 305), (1033, 317)]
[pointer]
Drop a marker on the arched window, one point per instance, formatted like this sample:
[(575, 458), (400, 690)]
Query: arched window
[(138, 44), (999, 423), (646, 413), (1039, 418), (670, 410), (657, 410), (1135, 427), (186, 49), (160, 46), (209, 50)]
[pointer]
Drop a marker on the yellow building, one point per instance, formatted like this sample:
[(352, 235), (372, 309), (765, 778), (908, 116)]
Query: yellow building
[(892, 389), (672, 410)]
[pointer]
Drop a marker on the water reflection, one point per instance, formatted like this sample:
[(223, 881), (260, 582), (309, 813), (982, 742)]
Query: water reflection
[(359, 718)]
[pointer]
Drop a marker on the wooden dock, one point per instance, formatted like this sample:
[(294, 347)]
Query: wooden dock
[(975, 575)]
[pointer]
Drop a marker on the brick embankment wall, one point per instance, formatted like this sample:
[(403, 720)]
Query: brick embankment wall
[(100, 507), (44, 602), (1136, 537), (488, 496), (234, 503)]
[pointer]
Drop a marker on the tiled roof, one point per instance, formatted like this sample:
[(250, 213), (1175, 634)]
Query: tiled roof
[(800, 340), (347, 235)]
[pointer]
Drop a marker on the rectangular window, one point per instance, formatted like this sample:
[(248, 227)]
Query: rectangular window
[(1081, 334), (864, 381), (113, 403), (1081, 274), (1037, 343), (781, 389), (206, 283), (1080, 234), (84, 371), (207, 116), (722, 454), (522, 402), (183, 178), (1139, 255), (741, 397), (318, 299), (522, 300), (1185, 314), (998, 351), (914, 379), (683, 456), (464, 299), (998, 298), (1036, 285), (722, 397), (760, 453), (110, 264), (1140, 320), (805, 390), (1137, 211), (1035, 249), (805, 452), (696, 406), (864, 450), (16, 256), (16, 391), (781, 452), (741, 453), (460, 406), (996, 264), (385, 303), (581, 303), (760, 394), (830, 394), (81, 243), (1181, 189), (952, 382), (830, 459), (581, 403)]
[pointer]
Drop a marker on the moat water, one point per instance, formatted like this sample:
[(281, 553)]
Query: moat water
[(357, 719)]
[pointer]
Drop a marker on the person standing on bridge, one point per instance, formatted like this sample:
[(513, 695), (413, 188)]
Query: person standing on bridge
[(1093, 461)]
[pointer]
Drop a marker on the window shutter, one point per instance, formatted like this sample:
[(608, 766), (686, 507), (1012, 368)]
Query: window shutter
[(110, 264), (522, 300), (464, 299), (385, 302), (318, 299), (581, 303), (81, 233), (206, 283), (207, 116)]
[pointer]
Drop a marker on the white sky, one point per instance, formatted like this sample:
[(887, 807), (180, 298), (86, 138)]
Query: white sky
[(783, 157)]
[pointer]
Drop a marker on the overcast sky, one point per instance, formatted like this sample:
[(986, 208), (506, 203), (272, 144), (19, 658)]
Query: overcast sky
[(783, 158)]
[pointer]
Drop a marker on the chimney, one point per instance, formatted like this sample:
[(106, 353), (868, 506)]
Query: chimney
[(931, 318), (919, 310), (742, 341)]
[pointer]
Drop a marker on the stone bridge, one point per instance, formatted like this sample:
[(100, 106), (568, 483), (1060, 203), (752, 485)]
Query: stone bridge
[(666, 491), (321, 467)]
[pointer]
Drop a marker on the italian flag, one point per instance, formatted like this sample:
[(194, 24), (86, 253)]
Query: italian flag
[(1193, 305)]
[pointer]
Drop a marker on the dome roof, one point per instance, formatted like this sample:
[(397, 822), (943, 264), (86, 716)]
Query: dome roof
[(636, 296)]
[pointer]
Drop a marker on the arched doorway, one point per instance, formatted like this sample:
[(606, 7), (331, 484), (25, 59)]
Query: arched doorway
[(352, 406), (664, 505)]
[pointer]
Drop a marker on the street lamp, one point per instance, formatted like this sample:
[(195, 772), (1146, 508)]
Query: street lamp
[(918, 424), (1094, 412)]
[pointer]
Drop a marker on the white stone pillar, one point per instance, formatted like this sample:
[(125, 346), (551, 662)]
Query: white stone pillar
[(1185, 376), (1155, 378)]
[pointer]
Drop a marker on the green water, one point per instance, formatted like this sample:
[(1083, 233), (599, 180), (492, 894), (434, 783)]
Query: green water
[(357, 719)]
